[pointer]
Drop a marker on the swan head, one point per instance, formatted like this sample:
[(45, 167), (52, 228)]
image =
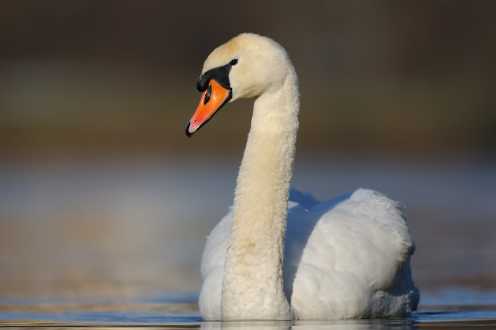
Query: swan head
[(246, 66)]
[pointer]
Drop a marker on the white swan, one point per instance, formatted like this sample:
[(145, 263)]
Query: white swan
[(272, 260)]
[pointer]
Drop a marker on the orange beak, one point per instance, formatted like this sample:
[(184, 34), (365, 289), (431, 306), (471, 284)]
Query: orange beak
[(212, 99)]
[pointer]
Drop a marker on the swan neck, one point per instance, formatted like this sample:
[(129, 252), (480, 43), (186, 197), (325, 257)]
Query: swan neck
[(253, 277)]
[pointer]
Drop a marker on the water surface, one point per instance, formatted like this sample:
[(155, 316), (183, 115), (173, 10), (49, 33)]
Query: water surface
[(179, 311), (118, 242)]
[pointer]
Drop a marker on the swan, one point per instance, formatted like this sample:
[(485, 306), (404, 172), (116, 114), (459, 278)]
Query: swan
[(280, 254)]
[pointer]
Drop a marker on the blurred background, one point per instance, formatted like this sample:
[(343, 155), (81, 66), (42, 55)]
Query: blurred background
[(101, 194)]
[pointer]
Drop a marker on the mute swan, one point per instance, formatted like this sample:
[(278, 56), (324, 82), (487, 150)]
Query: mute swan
[(274, 259)]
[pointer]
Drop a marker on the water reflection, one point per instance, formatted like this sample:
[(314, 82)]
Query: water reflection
[(308, 325)]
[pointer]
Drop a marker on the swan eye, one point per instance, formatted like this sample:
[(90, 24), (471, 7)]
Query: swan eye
[(208, 94), (234, 61)]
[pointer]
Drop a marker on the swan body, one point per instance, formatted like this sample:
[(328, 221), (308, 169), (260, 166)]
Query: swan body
[(280, 254), (344, 258)]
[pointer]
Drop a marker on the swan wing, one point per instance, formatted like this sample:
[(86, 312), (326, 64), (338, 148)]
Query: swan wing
[(355, 260), (212, 268)]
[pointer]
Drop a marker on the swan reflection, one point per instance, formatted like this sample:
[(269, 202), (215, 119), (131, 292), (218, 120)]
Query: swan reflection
[(312, 325)]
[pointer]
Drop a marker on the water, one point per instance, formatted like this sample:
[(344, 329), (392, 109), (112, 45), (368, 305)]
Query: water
[(117, 243), (179, 311)]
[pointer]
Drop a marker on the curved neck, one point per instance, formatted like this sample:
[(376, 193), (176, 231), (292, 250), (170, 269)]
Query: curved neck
[(253, 275)]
